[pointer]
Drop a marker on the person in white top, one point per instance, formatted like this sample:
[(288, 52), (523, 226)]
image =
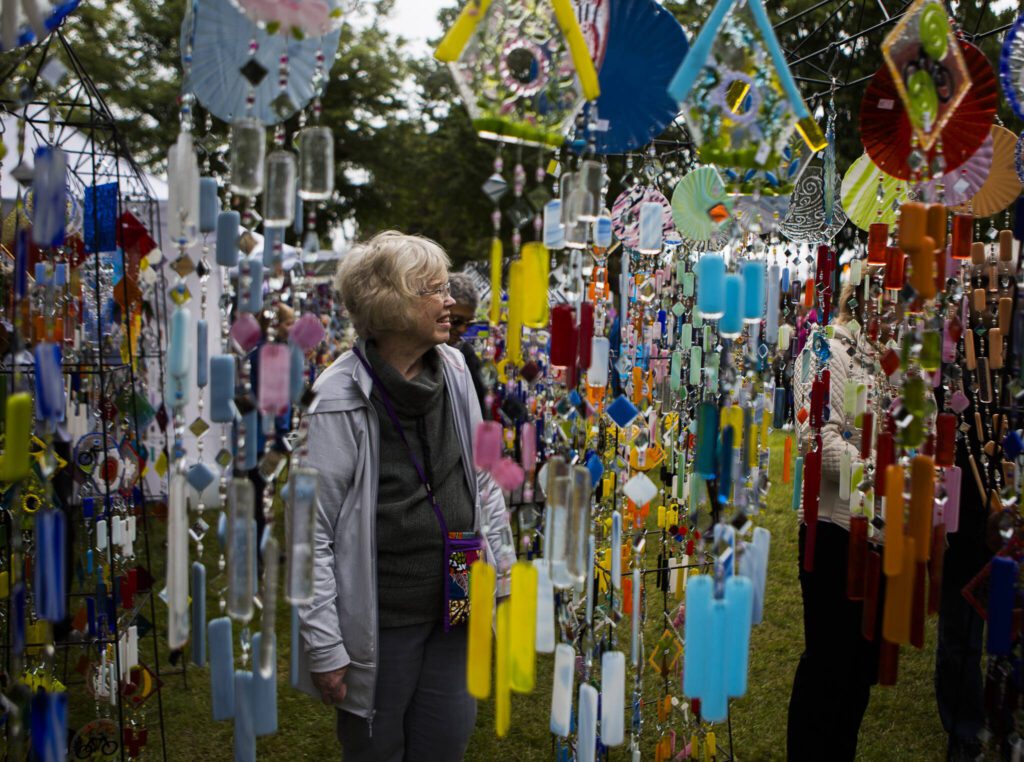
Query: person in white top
[(833, 680)]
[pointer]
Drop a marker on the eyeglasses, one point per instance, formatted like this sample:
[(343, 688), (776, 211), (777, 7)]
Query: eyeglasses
[(442, 291)]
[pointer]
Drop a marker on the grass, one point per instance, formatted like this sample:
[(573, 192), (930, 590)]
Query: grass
[(901, 722)]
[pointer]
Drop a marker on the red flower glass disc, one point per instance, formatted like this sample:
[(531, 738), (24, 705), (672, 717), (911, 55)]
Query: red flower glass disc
[(885, 128)]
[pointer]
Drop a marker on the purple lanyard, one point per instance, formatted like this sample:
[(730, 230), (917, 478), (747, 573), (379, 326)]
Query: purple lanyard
[(390, 408)]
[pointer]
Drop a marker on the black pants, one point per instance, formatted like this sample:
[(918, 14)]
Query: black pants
[(838, 666), (958, 656)]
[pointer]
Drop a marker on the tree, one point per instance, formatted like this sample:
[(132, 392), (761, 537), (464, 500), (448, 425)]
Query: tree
[(407, 154)]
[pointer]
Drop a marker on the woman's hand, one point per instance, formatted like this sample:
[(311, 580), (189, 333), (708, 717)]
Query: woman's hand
[(331, 685)]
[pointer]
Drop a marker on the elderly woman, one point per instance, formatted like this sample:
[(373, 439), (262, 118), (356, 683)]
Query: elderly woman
[(391, 434)]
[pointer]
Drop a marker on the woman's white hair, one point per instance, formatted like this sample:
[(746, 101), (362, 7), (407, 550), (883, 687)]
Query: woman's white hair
[(379, 279)]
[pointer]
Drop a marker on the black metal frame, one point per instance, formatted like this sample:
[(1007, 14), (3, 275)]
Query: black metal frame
[(77, 110)]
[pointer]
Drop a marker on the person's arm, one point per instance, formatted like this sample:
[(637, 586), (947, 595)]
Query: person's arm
[(331, 453), (833, 443), (498, 531)]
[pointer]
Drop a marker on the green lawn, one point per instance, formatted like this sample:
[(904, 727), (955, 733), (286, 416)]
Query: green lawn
[(901, 723)]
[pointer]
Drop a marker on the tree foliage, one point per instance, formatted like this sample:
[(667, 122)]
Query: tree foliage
[(407, 155)]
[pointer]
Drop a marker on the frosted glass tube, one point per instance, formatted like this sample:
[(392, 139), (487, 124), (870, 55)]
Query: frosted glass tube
[(316, 163), (202, 353), (263, 691), (579, 524), (502, 664), (279, 196), (651, 224), (228, 226), (523, 612), (952, 488), (179, 357), (50, 580), (753, 273), (554, 231), (613, 693), (739, 594), (479, 643), (263, 658), (247, 152), (586, 736), (561, 690), (731, 323), (616, 550), (209, 205), (771, 326), (545, 637), (597, 373), (177, 559), (697, 635), (634, 648), (714, 704), (198, 649), (301, 523), (245, 732), (762, 541), (557, 526), (711, 286), (241, 547), (222, 684), (222, 388)]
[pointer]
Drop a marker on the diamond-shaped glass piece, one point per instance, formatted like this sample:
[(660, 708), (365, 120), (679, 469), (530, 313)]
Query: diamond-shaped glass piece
[(665, 656), (283, 105), (245, 404), (538, 196), (224, 458), (925, 32), (622, 411), (198, 530), (642, 440), (203, 269), (495, 187), (253, 71), (198, 427), (180, 294), (53, 71), (640, 489), (184, 266), (26, 94), (161, 418), (23, 174), (519, 214), (161, 465), (564, 407), (200, 476), (272, 464)]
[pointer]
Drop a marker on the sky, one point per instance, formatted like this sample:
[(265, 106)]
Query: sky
[(416, 20)]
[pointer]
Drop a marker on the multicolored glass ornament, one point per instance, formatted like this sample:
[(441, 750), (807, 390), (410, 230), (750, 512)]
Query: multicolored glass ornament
[(738, 96), (520, 85)]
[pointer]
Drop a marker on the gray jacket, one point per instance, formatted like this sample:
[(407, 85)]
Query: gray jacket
[(338, 628)]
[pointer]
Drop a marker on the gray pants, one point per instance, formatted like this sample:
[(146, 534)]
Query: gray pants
[(423, 711)]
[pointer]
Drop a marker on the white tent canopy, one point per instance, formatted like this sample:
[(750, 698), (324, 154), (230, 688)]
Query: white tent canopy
[(91, 160)]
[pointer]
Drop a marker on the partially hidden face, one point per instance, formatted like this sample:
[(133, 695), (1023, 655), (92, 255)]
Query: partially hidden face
[(461, 316)]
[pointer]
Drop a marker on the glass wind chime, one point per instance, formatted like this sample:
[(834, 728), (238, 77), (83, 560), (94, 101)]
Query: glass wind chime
[(258, 383)]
